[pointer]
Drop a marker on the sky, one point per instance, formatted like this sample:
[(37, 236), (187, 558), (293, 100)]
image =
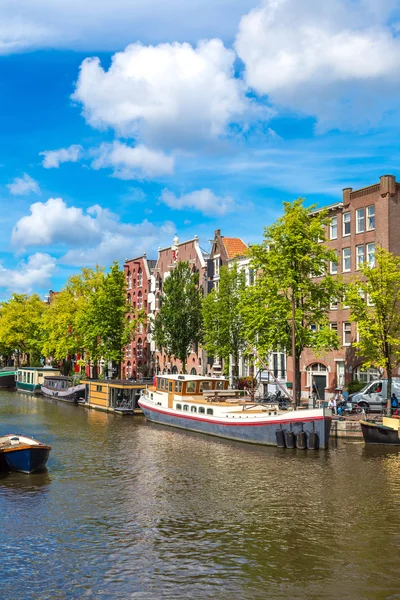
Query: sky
[(124, 123)]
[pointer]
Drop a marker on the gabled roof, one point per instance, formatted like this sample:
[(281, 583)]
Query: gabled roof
[(234, 246)]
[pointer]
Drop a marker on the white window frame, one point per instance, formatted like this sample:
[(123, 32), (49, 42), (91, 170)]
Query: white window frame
[(346, 331), (340, 373), (333, 325), (370, 254), (333, 267), (333, 228), (360, 219), (334, 304), (346, 221), (359, 256), (344, 258), (370, 217), (217, 265)]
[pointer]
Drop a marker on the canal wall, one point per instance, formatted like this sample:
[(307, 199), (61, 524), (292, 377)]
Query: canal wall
[(346, 428)]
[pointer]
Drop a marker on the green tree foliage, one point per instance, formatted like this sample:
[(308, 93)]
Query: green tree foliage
[(21, 330), (177, 326), (64, 323), (222, 321), (293, 288), (374, 301)]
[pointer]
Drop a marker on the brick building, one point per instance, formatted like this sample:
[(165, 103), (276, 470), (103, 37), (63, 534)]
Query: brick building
[(365, 218), (138, 362), (188, 251)]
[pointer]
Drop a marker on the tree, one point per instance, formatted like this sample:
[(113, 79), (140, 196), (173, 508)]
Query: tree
[(106, 329), (288, 306), (222, 320), (375, 307), (177, 327), (64, 322), (21, 326)]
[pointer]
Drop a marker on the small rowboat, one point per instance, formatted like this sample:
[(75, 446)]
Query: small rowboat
[(22, 453), (375, 433)]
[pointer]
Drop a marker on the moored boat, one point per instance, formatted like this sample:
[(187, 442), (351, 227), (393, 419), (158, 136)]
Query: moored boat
[(7, 377), (30, 379), (386, 433), (22, 453), (63, 388), (206, 405)]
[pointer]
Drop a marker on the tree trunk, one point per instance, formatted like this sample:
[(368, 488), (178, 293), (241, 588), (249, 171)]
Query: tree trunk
[(296, 380), (389, 391)]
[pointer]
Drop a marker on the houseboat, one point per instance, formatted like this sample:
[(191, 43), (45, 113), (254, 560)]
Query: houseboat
[(22, 453), (206, 405), (30, 379), (63, 388), (7, 377), (113, 395)]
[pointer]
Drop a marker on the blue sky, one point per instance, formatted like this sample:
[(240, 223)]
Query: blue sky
[(122, 123)]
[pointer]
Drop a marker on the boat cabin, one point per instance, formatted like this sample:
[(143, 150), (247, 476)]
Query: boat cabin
[(189, 385), (119, 396), (30, 379), (58, 382)]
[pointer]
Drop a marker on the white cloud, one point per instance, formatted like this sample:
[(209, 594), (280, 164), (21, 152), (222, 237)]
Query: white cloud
[(24, 185), (335, 60), (53, 158), (35, 272), (170, 95), (104, 25), (93, 236), (203, 200), (133, 163)]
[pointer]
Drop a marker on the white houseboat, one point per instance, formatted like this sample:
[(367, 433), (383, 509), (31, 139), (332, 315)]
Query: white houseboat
[(30, 379), (206, 405)]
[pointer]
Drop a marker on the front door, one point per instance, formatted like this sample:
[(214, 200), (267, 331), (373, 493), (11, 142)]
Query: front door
[(320, 382)]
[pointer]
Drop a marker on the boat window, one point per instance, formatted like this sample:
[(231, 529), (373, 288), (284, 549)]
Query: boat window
[(205, 385), (170, 386), (159, 383), (210, 411), (178, 387), (24, 376), (179, 406), (191, 387), (193, 409), (99, 388), (163, 382), (19, 375), (29, 377), (219, 385), (185, 407), (202, 410)]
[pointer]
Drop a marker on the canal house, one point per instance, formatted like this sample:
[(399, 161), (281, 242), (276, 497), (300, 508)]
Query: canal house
[(118, 396), (30, 379)]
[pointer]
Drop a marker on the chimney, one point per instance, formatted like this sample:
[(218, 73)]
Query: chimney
[(217, 232), (388, 185), (346, 196)]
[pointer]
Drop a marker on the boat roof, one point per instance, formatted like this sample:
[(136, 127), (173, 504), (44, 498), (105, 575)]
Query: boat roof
[(49, 369), (63, 377), (187, 377)]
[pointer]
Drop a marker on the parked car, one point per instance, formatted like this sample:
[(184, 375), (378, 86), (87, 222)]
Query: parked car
[(373, 396)]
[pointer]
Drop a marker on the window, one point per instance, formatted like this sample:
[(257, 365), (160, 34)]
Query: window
[(191, 387), (360, 220), (278, 365), (360, 255), (346, 333), (140, 300), (370, 302), (251, 277), (163, 382), (193, 371), (205, 385), (366, 375), (186, 407), (346, 260), (334, 304), (333, 228), (333, 326), (216, 266), (179, 406), (99, 388), (333, 269), (178, 387), (370, 217), (140, 278), (346, 224), (340, 373), (210, 411), (219, 385), (170, 386), (313, 327), (371, 254), (193, 409), (202, 410), (29, 378), (129, 281)]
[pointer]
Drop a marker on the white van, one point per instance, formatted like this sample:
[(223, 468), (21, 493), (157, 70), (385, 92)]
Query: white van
[(374, 395)]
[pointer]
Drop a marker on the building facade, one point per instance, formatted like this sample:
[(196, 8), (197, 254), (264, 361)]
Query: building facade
[(364, 219), (138, 361)]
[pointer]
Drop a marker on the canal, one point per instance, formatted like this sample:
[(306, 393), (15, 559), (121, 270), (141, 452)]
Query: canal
[(133, 510)]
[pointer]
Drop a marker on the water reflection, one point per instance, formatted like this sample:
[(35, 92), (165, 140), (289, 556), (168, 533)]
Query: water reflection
[(134, 510)]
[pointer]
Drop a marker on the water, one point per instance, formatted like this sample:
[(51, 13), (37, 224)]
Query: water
[(128, 509)]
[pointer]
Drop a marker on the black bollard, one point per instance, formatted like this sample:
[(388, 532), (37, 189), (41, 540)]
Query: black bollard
[(280, 438)]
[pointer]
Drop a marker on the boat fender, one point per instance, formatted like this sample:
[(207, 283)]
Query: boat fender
[(280, 438), (290, 438), (301, 440), (313, 439)]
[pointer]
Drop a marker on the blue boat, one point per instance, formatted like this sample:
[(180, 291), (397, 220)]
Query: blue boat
[(22, 453)]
